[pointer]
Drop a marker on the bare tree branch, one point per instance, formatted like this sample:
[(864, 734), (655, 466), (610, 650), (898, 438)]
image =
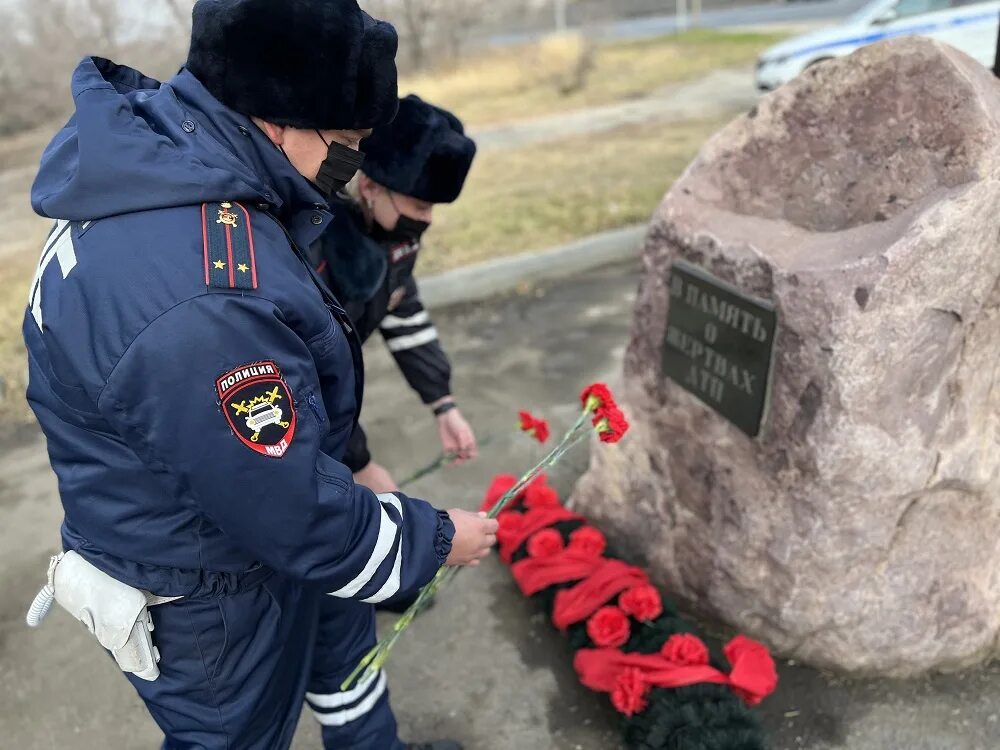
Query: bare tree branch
[(417, 15), (180, 12), (106, 19), (456, 18)]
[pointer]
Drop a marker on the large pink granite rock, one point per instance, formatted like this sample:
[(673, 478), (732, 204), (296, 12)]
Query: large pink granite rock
[(861, 529)]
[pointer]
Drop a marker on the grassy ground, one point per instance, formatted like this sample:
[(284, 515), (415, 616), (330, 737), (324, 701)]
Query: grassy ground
[(519, 83), (545, 194)]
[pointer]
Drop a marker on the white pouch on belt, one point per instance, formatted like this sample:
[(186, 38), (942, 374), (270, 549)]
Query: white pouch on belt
[(114, 612)]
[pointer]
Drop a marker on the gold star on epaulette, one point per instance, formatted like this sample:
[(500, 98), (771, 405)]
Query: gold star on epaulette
[(219, 264)]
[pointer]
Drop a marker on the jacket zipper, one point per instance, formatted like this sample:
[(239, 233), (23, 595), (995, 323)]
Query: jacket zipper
[(311, 400)]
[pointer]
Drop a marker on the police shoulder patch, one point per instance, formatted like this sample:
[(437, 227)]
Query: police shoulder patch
[(227, 235), (258, 406)]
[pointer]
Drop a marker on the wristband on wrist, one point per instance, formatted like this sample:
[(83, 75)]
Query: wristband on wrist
[(444, 408)]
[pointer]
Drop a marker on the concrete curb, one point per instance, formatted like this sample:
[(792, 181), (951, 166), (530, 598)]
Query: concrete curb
[(494, 277)]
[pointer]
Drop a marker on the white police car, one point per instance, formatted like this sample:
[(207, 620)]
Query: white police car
[(262, 415), (967, 25)]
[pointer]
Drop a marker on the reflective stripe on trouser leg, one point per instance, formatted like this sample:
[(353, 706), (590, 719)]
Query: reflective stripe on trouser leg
[(358, 718), (338, 709)]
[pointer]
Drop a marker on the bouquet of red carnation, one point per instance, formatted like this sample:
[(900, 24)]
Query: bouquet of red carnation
[(600, 414)]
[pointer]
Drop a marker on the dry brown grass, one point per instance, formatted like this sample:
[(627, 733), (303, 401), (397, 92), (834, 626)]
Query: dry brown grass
[(532, 197), (522, 82)]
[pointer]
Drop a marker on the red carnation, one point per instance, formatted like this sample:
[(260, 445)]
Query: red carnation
[(630, 691), (545, 543), (753, 676), (497, 489), (539, 495), (642, 602), (608, 627), (611, 425), (537, 428), (588, 541), (596, 396), (685, 649)]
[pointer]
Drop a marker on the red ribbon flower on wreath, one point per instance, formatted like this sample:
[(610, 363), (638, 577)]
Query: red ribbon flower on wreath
[(682, 660), (609, 627), (643, 602)]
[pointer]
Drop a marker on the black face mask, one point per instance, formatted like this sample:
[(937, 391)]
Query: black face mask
[(406, 230), (338, 168)]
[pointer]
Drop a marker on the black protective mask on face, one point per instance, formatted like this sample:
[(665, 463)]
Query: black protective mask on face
[(338, 168), (406, 230)]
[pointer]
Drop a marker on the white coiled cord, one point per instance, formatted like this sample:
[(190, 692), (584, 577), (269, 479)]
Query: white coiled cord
[(42, 602)]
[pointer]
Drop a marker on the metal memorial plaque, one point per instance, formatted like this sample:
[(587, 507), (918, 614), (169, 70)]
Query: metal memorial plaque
[(719, 345)]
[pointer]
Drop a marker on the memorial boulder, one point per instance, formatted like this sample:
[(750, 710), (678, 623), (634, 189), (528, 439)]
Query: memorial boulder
[(813, 373)]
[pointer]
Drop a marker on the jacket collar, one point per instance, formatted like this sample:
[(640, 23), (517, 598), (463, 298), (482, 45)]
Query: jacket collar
[(286, 193)]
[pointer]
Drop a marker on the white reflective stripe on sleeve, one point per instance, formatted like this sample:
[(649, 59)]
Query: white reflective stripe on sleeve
[(383, 545), (391, 499), (339, 718), (391, 321), (336, 700), (413, 340), (391, 586)]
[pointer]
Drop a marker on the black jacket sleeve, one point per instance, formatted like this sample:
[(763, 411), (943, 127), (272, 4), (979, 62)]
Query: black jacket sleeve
[(413, 341), (357, 455)]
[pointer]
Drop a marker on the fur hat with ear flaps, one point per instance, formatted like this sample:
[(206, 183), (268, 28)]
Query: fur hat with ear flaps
[(424, 152), (323, 64)]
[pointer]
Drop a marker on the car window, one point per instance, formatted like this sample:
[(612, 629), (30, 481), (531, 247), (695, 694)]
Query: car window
[(907, 8)]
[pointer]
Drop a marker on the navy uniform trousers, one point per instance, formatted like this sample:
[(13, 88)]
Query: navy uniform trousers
[(265, 640)]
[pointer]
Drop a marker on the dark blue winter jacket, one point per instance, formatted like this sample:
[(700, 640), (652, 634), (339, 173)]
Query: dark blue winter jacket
[(196, 382)]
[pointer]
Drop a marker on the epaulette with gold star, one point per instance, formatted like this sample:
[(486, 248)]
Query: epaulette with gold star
[(228, 239)]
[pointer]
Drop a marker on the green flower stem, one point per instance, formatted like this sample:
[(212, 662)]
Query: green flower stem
[(377, 656), (443, 460), (362, 666)]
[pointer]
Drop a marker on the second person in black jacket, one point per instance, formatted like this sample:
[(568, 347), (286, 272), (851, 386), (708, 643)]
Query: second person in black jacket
[(368, 255)]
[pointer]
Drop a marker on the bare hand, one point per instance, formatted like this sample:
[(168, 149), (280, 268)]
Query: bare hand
[(474, 535), (457, 436), (376, 478)]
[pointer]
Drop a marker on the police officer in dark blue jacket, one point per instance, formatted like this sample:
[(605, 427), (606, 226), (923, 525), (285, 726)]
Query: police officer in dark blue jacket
[(369, 253), (196, 381)]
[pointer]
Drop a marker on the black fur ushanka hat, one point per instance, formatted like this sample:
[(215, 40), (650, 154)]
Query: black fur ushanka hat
[(424, 152), (323, 64)]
